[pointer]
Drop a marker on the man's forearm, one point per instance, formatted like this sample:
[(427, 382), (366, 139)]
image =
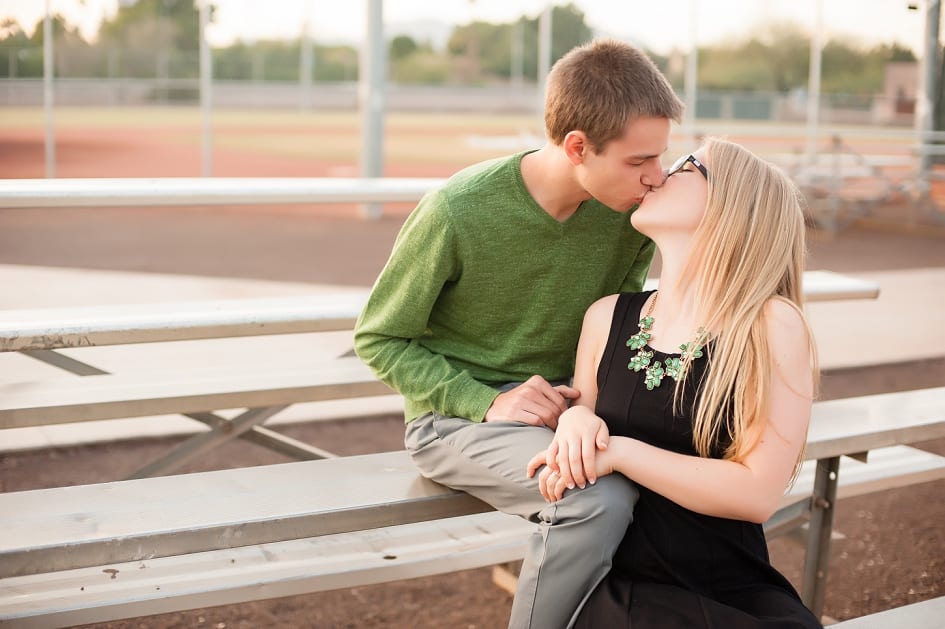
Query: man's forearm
[(424, 377)]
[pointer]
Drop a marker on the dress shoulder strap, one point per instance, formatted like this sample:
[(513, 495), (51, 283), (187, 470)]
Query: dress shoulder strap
[(626, 316)]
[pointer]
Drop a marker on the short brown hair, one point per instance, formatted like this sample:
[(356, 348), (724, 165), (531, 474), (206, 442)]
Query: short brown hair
[(601, 85)]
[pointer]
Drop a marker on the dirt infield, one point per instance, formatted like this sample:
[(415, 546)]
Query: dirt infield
[(166, 143), (893, 546)]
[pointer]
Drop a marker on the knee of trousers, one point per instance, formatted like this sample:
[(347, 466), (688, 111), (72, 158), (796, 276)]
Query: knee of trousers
[(609, 501)]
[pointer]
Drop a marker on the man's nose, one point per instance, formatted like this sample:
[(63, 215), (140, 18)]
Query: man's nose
[(655, 175)]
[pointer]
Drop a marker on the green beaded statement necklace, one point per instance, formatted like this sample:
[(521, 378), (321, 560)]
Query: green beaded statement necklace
[(655, 371)]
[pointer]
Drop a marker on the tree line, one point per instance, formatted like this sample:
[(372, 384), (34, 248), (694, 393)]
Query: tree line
[(159, 39)]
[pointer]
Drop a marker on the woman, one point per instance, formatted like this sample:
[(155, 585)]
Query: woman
[(701, 393)]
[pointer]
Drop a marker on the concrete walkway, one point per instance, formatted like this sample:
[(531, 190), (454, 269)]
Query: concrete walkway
[(903, 324)]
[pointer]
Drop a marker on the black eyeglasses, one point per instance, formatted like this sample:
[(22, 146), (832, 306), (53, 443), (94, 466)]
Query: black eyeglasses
[(681, 163)]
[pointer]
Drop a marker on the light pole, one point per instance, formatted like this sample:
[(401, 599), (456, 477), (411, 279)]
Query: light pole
[(518, 55), (206, 96), (371, 98), (544, 60), (306, 60), (48, 94), (813, 81), (925, 102), (692, 72)]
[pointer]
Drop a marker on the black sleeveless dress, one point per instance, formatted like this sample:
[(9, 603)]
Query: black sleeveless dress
[(676, 568)]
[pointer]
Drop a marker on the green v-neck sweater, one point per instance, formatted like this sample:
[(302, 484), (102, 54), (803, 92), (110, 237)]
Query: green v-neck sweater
[(483, 287)]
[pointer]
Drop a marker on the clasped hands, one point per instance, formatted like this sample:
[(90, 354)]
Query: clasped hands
[(577, 455), (578, 452)]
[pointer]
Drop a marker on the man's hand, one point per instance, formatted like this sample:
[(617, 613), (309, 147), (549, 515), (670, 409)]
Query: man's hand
[(533, 402)]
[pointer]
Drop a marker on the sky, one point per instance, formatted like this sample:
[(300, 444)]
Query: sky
[(660, 26)]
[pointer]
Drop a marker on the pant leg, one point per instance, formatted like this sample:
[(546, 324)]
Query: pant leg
[(573, 546)]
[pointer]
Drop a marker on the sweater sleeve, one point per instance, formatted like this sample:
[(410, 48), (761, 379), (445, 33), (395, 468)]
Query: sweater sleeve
[(641, 266), (389, 331)]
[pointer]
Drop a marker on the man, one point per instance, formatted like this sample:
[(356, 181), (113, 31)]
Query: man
[(476, 316)]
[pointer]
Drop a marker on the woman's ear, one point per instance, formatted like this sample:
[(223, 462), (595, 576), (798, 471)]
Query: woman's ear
[(575, 146)]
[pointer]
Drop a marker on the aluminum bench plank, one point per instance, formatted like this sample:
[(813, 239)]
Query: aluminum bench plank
[(203, 579), (57, 328), (106, 518), (91, 525), (47, 402), (246, 507), (923, 615), (887, 468), (262, 571), (861, 424)]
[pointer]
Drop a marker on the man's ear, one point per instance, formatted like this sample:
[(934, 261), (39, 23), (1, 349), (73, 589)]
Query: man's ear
[(576, 146)]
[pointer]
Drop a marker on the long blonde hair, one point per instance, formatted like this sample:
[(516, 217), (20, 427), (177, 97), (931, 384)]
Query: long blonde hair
[(748, 248)]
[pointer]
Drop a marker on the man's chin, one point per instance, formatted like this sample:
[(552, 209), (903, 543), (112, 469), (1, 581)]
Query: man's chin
[(626, 208)]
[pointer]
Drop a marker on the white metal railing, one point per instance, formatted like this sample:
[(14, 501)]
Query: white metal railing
[(120, 192)]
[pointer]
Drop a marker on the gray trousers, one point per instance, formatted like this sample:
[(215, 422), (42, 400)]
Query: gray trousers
[(574, 543)]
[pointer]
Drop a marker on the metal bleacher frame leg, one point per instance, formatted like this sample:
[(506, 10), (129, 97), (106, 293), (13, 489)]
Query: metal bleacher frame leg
[(821, 527), (247, 425)]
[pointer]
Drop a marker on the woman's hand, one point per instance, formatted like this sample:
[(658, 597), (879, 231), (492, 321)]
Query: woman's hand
[(578, 446), (551, 484), (573, 450)]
